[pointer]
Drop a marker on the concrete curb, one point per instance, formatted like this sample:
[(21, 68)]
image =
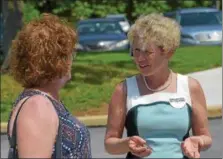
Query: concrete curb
[(215, 111), (101, 120)]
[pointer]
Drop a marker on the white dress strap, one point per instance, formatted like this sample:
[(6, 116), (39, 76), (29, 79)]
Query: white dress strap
[(183, 87), (132, 90)]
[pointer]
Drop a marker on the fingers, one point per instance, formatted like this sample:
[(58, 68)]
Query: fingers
[(138, 147), (137, 144), (197, 155), (138, 140), (192, 154), (185, 150), (135, 149), (144, 153), (189, 153)]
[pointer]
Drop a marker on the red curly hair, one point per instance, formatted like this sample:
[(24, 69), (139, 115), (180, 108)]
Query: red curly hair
[(42, 51)]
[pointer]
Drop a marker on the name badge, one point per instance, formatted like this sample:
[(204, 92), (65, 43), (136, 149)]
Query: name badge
[(177, 102)]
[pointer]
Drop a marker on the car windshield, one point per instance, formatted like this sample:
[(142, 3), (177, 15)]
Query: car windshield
[(99, 28), (201, 18)]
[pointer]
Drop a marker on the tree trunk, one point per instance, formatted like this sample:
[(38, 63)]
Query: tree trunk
[(218, 4), (12, 22), (129, 9)]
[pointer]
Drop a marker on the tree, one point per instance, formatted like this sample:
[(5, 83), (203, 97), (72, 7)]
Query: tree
[(12, 22), (129, 9)]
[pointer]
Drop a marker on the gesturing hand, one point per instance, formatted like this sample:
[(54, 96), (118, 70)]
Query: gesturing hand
[(190, 147), (138, 147)]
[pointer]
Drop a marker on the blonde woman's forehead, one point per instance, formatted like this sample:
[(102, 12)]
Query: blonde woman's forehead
[(143, 44)]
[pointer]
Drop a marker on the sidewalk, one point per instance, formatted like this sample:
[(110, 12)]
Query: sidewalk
[(211, 82)]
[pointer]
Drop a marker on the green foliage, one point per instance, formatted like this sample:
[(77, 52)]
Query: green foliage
[(150, 7), (109, 7), (62, 6), (76, 10), (83, 9), (80, 10), (29, 12), (206, 3), (188, 4), (174, 4)]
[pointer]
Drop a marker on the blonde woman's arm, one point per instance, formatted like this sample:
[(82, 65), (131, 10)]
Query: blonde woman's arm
[(200, 126)]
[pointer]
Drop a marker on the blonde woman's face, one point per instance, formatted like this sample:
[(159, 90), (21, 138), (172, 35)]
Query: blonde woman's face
[(148, 57)]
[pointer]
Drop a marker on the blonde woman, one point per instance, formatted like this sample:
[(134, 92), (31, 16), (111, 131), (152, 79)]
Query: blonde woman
[(158, 107)]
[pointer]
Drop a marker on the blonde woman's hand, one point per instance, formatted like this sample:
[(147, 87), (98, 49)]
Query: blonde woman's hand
[(138, 147), (190, 147)]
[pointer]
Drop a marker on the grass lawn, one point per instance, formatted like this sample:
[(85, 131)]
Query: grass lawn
[(96, 74)]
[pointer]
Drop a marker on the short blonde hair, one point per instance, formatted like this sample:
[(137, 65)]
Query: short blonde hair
[(163, 31)]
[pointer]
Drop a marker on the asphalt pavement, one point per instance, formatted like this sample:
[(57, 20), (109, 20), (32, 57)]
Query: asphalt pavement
[(97, 138)]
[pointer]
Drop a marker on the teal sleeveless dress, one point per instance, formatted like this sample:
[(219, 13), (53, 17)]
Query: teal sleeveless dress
[(163, 119)]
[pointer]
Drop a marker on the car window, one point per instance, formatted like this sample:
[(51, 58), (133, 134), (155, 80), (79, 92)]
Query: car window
[(100, 28), (170, 15), (201, 18), (125, 25), (123, 22)]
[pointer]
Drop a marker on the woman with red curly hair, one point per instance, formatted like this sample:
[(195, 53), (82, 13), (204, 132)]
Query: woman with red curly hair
[(39, 125)]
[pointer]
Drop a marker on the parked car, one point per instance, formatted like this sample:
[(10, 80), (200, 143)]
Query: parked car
[(101, 34), (199, 26), (123, 21)]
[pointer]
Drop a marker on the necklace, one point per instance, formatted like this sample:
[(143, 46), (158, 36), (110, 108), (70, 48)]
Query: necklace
[(156, 90)]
